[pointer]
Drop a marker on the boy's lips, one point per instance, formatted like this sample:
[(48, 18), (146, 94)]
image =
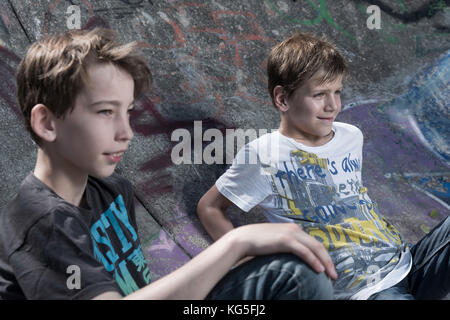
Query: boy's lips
[(329, 119), (114, 156)]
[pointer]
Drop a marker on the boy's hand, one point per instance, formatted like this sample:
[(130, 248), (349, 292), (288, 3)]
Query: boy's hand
[(268, 238)]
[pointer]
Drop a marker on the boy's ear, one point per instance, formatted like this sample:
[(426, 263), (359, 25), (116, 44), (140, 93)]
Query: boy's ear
[(279, 98), (42, 122)]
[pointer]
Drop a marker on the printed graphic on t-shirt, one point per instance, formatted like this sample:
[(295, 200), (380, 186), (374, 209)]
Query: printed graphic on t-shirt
[(326, 197), (320, 188), (127, 261)]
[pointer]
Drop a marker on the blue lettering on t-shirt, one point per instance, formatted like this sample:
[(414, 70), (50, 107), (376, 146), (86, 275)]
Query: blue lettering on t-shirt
[(122, 214), (308, 169), (111, 214), (103, 239), (301, 173), (312, 171), (318, 172), (332, 165), (350, 165), (279, 174), (116, 219), (124, 279), (322, 214), (290, 174)]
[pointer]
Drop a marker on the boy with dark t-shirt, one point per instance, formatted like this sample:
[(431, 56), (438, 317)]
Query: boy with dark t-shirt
[(75, 91)]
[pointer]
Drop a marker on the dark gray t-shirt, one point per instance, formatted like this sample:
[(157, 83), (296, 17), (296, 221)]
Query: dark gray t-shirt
[(50, 249)]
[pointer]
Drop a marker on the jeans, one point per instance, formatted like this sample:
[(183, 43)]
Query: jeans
[(273, 277), (429, 277)]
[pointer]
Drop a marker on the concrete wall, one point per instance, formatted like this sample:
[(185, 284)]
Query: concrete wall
[(208, 62)]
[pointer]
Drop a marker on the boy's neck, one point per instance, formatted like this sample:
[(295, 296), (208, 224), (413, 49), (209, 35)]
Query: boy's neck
[(311, 141), (66, 183)]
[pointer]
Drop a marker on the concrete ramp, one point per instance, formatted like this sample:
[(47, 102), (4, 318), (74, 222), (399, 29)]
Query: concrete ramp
[(208, 62)]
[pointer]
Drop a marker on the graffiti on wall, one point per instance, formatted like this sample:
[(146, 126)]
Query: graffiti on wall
[(208, 61)]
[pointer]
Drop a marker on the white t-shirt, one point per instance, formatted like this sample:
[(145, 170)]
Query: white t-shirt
[(320, 188)]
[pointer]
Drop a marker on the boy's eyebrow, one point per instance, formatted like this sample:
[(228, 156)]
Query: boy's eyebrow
[(115, 103), (325, 89)]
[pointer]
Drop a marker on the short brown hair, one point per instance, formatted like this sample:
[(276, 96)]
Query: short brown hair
[(297, 58), (54, 70)]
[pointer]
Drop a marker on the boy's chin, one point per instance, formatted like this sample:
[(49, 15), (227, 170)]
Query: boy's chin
[(101, 174)]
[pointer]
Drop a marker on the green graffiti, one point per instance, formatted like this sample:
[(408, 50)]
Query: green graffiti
[(437, 6), (425, 229), (433, 214), (322, 14), (402, 6)]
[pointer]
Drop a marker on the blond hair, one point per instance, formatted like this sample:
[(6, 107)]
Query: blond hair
[(297, 58), (54, 70)]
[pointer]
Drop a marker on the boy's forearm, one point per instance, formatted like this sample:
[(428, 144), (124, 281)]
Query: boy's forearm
[(196, 278), (199, 276), (211, 210), (215, 221)]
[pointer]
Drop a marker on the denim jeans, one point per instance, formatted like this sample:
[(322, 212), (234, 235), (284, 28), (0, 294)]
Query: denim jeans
[(429, 277), (273, 277)]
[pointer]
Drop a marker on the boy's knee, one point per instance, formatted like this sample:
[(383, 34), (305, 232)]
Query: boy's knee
[(302, 282), (446, 224)]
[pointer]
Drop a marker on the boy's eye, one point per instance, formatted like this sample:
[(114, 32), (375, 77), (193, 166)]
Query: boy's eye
[(320, 94), (338, 92), (105, 112)]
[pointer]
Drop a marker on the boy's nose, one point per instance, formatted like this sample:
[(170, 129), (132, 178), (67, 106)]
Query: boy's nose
[(124, 131), (332, 103)]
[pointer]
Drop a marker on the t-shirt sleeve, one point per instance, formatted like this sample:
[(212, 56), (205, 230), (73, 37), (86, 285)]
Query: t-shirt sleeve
[(245, 183), (360, 140), (57, 262)]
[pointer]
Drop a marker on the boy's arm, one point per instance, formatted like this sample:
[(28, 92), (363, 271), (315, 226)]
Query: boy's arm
[(211, 210), (196, 278)]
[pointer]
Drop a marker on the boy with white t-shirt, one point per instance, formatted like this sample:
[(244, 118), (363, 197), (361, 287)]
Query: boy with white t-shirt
[(309, 172)]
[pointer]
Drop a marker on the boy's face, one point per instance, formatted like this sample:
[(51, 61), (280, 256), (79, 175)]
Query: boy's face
[(311, 110), (92, 138)]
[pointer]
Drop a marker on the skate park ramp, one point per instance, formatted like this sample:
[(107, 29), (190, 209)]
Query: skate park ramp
[(208, 63)]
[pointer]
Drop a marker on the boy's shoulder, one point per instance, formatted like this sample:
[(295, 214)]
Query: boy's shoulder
[(33, 197), (32, 202), (347, 136), (37, 199), (35, 202), (347, 131), (346, 127)]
